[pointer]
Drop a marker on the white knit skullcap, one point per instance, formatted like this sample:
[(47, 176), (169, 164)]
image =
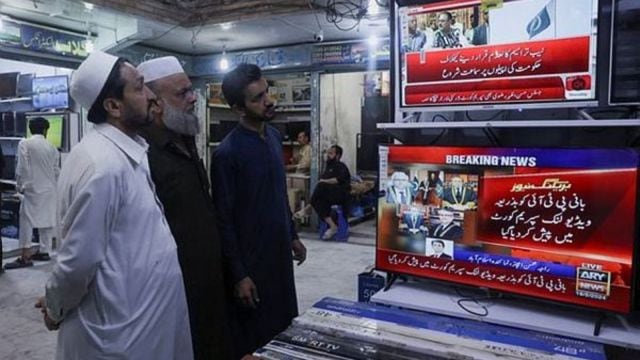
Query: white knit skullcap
[(90, 77), (159, 68)]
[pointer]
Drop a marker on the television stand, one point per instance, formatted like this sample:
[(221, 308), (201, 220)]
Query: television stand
[(518, 312), (391, 278), (602, 316)]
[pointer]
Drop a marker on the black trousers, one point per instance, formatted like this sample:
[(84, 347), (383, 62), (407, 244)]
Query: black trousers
[(326, 195)]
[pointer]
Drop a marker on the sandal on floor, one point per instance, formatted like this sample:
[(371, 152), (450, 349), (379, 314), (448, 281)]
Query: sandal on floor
[(41, 256), (18, 263)]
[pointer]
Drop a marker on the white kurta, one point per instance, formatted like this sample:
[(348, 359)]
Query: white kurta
[(117, 283), (37, 169)]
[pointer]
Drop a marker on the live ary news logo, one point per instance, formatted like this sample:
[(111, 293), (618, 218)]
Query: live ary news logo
[(592, 282)]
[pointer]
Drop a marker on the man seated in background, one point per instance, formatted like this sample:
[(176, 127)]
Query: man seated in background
[(301, 162), (333, 188)]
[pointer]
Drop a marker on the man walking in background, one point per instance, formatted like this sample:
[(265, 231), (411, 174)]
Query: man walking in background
[(258, 236), (37, 169), (183, 188)]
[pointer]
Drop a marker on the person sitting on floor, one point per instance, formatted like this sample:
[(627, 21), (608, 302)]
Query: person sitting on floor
[(333, 188)]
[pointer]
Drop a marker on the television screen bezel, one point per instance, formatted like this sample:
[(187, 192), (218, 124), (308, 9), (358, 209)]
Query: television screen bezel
[(65, 126), (601, 81), (33, 87), (610, 97), (635, 265)]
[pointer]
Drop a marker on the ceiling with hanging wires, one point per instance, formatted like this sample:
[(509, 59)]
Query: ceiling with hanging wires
[(190, 13), (206, 26)]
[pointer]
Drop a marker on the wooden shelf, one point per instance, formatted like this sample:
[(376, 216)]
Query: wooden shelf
[(219, 106), (287, 109)]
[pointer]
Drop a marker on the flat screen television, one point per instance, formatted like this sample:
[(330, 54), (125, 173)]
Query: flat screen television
[(8, 84), (51, 92), (624, 86), (522, 53), (57, 125), (555, 224), (25, 85)]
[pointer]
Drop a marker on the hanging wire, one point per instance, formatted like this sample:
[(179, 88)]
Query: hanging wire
[(346, 15)]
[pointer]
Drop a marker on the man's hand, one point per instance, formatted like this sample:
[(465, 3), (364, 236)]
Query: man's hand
[(50, 324), (299, 251), (247, 293)]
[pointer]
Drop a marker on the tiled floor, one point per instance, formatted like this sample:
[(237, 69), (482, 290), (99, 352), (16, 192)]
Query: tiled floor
[(331, 269)]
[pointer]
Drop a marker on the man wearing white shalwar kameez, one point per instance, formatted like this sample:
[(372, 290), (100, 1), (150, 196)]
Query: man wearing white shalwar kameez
[(37, 169), (116, 291)]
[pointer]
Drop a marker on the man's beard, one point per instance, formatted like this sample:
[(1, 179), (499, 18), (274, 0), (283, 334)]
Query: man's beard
[(264, 117), (181, 122), (138, 119)]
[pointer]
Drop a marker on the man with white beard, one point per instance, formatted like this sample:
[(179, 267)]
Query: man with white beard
[(183, 188)]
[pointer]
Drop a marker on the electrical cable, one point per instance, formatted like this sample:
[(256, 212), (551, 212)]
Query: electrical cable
[(493, 117), (475, 300), (442, 132)]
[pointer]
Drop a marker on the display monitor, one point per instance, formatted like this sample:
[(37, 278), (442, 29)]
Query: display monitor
[(556, 224), (57, 125), (520, 53), (25, 85), (624, 86), (8, 84), (51, 92)]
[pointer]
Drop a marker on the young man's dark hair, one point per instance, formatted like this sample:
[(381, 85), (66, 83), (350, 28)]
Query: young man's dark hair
[(113, 88), (236, 81), (338, 150), (38, 125)]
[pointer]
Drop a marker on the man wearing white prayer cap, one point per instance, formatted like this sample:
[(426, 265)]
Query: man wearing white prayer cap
[(183, 188), (116, 290)]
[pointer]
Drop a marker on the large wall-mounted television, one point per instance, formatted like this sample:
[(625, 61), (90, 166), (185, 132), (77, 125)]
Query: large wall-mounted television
[(51, 92), (522, 53), (56, 135), (554, 224)]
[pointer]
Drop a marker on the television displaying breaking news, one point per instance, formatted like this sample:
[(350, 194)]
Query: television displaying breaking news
[(556, 224), (458, 52)]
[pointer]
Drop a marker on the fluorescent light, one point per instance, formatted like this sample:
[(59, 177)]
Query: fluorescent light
[(88, 6), (224, 64), (373, 8), (89, 46), (226, 26), (373, 40)]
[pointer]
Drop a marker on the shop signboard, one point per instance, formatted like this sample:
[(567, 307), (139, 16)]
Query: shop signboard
[(40, 39), (350, 53), (266, 59)]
